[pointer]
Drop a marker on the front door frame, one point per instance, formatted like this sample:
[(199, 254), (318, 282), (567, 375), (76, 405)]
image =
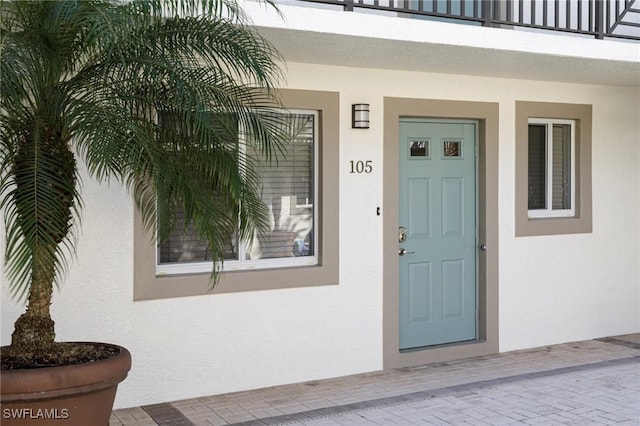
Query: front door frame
[(486, 113)]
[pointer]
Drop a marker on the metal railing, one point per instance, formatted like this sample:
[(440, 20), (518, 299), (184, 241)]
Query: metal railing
[(597, 18)]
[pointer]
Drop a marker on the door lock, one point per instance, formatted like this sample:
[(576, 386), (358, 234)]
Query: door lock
[(402, 234)]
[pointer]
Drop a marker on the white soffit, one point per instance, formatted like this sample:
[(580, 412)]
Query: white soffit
[(354, 39)]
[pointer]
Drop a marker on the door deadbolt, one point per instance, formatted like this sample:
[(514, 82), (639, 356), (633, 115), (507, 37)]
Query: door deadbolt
[(402, 234)]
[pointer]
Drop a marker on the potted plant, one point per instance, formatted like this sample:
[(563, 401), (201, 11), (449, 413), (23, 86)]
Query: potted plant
[(149, 93)]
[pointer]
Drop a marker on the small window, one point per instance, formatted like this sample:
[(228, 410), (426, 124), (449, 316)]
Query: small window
[(418, 148), (551, 168), (451, 149), (287, 189)]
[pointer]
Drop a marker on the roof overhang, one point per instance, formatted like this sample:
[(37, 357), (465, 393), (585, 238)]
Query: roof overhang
[(351, 39)]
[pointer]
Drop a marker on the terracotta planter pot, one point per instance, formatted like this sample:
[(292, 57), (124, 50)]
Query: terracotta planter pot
[(80, 394)]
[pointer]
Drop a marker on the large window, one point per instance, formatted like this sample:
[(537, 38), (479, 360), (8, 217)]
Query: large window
[(551, 152), (287, 188), (553, 168), (300, 248)]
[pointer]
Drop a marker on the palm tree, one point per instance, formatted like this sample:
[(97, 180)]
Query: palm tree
[(149, 93)]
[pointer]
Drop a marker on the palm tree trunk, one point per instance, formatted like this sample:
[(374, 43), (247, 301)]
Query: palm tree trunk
[(49, 212), (34, 330)]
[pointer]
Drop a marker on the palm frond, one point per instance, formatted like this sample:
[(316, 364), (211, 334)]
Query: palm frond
[(99, 74), (39, 199)]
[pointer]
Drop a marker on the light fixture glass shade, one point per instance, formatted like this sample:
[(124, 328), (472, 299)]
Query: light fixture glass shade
[(360, 116)]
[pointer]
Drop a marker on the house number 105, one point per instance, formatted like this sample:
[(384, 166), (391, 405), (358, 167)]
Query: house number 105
[(361, 166)]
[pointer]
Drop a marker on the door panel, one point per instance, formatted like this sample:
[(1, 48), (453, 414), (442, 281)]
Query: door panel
[(452, 207), (438, 207), (452, 288), (419, 200), (420, 292)]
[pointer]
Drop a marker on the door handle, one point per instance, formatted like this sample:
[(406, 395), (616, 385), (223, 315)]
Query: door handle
[(402, 252), (483, 247)]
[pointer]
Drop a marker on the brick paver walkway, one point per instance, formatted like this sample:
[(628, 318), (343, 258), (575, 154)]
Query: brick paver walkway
[(595, 382)]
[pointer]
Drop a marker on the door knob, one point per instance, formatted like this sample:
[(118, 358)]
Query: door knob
[(483, 247), (402, 252)]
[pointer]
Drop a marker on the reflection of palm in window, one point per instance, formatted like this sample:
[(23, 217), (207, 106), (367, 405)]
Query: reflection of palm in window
[(452, 149)]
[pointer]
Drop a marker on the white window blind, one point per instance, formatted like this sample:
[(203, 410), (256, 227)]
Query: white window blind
[(287, 190)]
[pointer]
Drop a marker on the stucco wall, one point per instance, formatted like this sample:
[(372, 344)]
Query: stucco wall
[(552, 289)]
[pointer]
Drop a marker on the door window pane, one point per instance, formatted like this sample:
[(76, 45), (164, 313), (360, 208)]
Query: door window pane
[(419, 148), (452, 149)]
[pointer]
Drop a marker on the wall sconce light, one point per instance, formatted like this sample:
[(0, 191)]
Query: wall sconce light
[(360, 116)]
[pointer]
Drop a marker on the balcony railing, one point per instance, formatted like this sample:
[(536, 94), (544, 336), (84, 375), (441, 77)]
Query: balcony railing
[(596, 18)]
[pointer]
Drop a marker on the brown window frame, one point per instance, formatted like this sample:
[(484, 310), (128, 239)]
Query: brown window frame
[(148, 285), (581, 221)]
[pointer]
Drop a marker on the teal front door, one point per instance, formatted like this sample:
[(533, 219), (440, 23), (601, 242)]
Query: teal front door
[(437, 234)]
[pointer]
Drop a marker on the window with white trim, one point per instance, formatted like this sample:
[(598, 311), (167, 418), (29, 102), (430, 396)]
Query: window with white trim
[(288, 189), (551, 168)]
